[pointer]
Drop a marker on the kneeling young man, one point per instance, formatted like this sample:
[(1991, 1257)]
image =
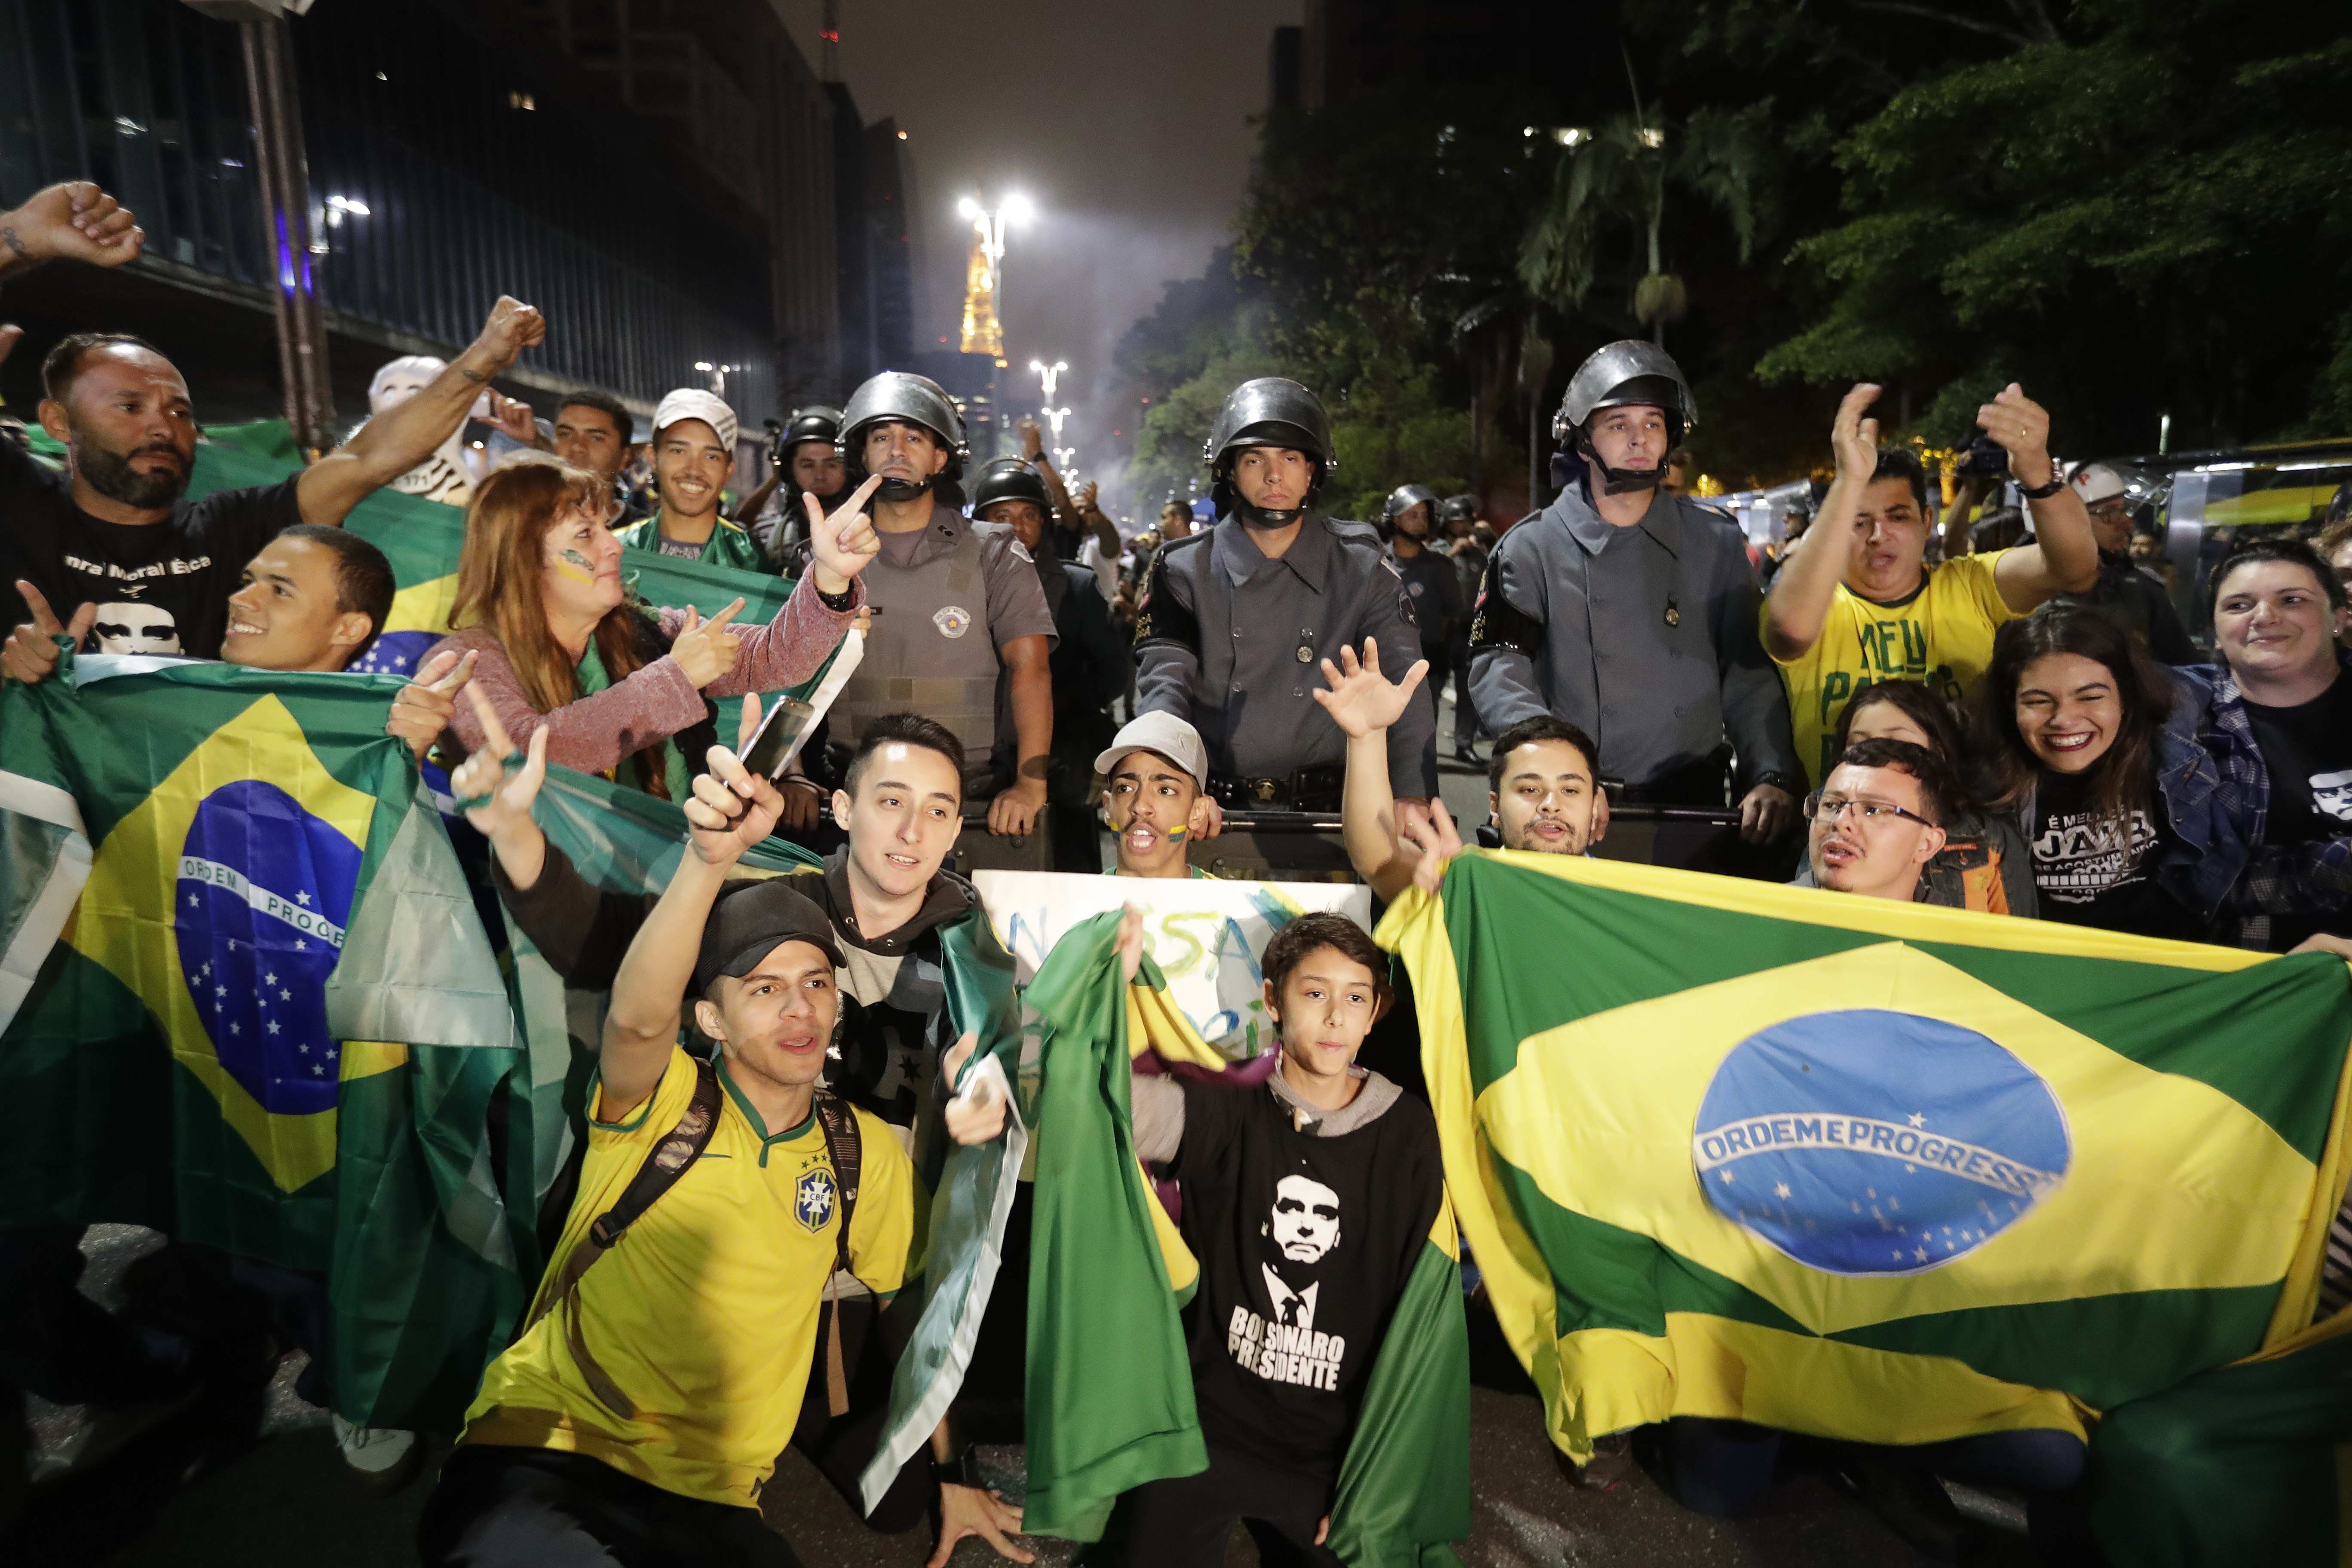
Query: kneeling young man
[(1156, 777), (1877, 820), (1307, 1202), (1543, 782), (643, 1407)]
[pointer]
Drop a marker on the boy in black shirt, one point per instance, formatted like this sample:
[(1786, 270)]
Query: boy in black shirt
[(1307, 1202), (116, 529)]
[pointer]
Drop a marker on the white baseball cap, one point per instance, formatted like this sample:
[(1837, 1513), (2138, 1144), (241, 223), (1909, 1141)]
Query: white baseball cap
[(1164, 734), (693, 403), (2095, 483)]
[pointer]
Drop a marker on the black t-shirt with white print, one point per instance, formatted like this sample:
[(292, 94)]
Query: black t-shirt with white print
[(159, 587), (1305, 1245), (2308, 750), (2092, 870)]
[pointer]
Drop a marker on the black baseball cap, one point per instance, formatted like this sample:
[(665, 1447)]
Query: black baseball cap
[(752, 922)]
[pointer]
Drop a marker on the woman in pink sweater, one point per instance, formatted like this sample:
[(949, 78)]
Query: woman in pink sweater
[(561, 648)]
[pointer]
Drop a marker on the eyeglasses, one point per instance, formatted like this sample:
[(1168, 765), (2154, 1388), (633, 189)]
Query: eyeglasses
[(1871, 812)]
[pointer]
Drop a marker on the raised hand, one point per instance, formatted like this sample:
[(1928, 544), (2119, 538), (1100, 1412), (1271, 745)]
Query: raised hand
[(1360, 699), (30, 654), (514, 419), (731, 809), (73, 221), (841, 543), (511, 327), (495, 802), (1853, 438), (427, 703), (708, 649), (1032, 436), (2022, 426)]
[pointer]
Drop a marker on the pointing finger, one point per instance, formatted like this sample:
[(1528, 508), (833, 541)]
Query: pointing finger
[(453, 680), (718, 621), (45, 620)]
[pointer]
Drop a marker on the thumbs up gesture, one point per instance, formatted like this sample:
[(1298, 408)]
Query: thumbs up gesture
[(30, 655)]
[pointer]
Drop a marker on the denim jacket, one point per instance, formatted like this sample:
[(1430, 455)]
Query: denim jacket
[(2262, 879)]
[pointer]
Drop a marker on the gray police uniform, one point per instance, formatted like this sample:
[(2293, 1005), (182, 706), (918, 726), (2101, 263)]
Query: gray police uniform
[(1429, 582), (948, 597), (1229, 640), (1645, 638)]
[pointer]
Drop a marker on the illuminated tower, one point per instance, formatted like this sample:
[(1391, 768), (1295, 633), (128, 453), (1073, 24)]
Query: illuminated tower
[(982, 332)]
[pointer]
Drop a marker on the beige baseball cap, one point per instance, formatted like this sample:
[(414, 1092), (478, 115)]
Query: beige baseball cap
[(1164, 734), (693, 403)]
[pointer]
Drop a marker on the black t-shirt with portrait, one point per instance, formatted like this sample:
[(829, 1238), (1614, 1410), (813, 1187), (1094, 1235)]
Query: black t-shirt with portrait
[(2089, 871), (2308, 750), (160, 587), (1305, 1246)]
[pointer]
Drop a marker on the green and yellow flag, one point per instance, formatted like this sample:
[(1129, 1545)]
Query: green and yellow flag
[(249, 1003), (1871, 1171), (1109, 1397)]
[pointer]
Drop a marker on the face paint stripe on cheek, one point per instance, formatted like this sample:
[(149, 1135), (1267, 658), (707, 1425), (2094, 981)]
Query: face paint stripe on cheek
[(572, 564)]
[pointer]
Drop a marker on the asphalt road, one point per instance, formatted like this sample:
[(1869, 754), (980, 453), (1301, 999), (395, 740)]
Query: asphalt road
[(257, 1481)]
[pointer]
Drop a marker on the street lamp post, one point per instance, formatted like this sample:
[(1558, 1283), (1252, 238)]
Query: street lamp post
[(1049, 376)]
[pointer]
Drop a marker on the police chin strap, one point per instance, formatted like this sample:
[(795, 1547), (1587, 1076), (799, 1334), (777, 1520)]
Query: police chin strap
[(1230, 500), (1615, 482)]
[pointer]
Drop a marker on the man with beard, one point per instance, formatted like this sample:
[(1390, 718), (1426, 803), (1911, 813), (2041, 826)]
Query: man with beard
[(1229, 631), (961, 622), (116, 529), (694, 457), (1543, 783)]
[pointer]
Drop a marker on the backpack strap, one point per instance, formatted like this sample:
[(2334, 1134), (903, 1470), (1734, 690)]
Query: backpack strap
[(664, 1164), (843, 1146)]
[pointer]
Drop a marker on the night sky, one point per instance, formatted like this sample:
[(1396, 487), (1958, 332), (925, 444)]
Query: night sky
[(1128, 124)]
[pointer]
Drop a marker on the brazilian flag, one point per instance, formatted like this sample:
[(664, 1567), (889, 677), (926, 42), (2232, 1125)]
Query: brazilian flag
[(1108, 1408), (1896, 1174), (248, 1001)]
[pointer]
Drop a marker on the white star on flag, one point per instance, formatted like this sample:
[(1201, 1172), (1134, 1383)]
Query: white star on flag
[(303, 900), (1918, 1119), (269, 980), (233, 1029), (1780, 1189), (273, 1026), (191, 900)]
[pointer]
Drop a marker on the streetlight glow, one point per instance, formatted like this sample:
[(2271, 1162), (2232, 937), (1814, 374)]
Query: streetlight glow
[(1017, 208)]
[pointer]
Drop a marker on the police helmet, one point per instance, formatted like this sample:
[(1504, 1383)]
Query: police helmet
[(1627, 373), (1403, 498), (914, 399), (1457, 508), (1270, 412), (814, 422), (1008, 478)]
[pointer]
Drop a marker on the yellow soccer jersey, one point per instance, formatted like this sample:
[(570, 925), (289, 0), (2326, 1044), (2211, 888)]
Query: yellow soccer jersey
[(704, 1315), (1942, 635)]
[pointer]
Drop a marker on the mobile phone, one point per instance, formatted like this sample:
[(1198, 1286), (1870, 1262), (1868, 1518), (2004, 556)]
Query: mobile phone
[(779, 737)]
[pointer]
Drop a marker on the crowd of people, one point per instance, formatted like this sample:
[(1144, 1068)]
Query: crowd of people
[(2024, 731)]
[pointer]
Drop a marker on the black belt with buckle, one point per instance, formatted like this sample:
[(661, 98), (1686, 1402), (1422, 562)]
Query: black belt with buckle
[(1308, 789)]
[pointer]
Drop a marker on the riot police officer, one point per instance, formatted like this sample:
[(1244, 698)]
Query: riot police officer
[(1237, 618), (1090, 661), (1408, 523), (1632, 613), (959, 609), (805, 460)]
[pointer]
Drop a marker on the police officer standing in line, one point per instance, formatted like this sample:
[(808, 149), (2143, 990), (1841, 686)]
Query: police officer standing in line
[(1236, 617), (1090, 662), (1633, 615), (1457, 520), (1409, 522), (807, 462), (959, 615)]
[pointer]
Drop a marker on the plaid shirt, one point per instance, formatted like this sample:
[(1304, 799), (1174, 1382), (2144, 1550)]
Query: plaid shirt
[(2271, 879)]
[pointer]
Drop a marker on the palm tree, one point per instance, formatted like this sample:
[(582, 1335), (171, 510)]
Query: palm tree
[(1616, 176)]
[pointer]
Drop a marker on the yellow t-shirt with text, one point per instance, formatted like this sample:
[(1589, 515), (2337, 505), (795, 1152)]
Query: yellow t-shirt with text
[(704, 1315), (1941, 636)]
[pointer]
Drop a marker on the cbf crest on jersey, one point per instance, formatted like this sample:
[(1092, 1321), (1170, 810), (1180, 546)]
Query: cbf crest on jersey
[(814, 1196), (221, 900)]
